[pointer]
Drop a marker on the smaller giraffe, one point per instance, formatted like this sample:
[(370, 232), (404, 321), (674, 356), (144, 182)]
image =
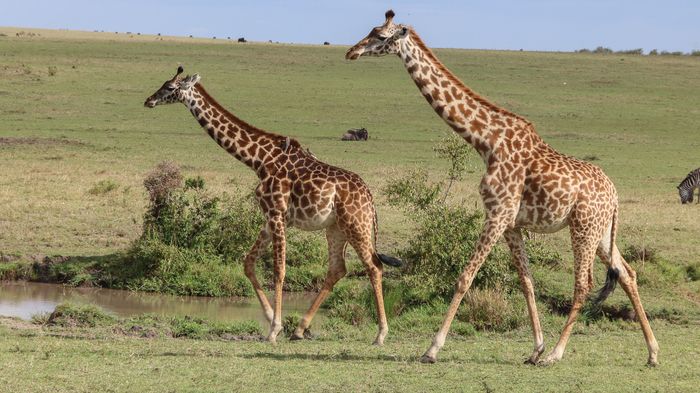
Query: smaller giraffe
[(295, 190)]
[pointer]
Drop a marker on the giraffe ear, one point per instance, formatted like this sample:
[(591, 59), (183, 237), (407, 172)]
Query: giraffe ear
[(189, 81)]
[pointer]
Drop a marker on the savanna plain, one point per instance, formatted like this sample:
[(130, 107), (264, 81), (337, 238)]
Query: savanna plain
[(76, 143)]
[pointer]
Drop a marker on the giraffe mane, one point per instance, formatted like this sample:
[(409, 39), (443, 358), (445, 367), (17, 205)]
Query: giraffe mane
[(278, 139), (449, 75)]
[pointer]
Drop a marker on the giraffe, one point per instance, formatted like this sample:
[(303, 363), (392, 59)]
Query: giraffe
[(295, 190), (527, 185)]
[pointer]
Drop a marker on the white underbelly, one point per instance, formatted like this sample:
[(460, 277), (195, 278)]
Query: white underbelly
[(311, 222)]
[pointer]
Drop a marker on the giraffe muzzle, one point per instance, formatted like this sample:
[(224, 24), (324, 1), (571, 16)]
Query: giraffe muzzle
[(150, 103), (352, 54)]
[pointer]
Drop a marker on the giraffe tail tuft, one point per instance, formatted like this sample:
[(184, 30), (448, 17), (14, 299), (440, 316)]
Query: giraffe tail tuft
[(388, 260), (608, 287)]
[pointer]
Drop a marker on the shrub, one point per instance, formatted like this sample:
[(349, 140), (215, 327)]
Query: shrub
[(412, 191), (103, 187), (161, 181), (490, 310), (290, 323), (653, 52), (539, 254), (638, 51), (602, 50), (693, 271), (635, 252), (442, 246), (72, 315), (195, 182), (188, 327), (52, 70), (158, 267), (458, 154)]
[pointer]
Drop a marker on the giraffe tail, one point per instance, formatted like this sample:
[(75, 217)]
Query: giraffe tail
[(613, 274), (608, 287), (383, 258), (388, 260)]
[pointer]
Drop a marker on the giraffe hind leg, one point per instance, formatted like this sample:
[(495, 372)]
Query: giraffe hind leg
[(584, 243), (627, 278), (336, 270), (517, 247), (251, 258)]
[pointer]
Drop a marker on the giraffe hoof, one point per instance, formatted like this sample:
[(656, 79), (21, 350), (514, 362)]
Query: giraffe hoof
[(530, 361), (428, 359), (546, 362), (306, 335), (651, 363)]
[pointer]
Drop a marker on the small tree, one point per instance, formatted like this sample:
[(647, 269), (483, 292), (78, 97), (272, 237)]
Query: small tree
[(459, 154)]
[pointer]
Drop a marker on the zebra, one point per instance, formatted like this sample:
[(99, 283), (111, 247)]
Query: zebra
[(688, 186)]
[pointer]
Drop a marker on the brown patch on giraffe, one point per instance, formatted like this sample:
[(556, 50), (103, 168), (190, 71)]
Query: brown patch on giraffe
[(477, 126)]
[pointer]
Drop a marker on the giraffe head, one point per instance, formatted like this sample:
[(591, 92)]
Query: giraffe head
[(173, 90), (382, 40)]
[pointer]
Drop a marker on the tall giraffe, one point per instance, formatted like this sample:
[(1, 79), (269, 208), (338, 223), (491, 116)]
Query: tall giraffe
[(295, 190), (527, 185)]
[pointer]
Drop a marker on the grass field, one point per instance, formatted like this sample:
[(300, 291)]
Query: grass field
[(76, 142), (34, 360)]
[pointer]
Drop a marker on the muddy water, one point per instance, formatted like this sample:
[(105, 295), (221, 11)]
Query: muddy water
[(24, 299)]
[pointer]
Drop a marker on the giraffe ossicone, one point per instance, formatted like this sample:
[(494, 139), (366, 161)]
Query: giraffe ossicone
[(295, 190), (527, 185)]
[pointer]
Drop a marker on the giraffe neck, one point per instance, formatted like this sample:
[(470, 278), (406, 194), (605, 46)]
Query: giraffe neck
[(250, 145), (481, 123)]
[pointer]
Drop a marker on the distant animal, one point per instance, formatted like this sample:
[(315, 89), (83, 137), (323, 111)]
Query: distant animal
[(242, 39), (295, 190), (688, 186), (326, 43), (355, 134)]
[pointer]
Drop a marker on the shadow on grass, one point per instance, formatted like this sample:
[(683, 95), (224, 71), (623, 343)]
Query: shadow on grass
[(342, 357), (334, 357)]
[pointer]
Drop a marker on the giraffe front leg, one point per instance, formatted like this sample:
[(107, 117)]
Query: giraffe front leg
[(492, 231), (277, 230)]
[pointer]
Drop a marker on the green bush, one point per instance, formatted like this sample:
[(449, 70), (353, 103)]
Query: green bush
[(155, 266), (195, 243), (413, 191), (441, 247), (491, 310), (693, 271), (539, 254), (72, 315), (103, 187), (639, 253)]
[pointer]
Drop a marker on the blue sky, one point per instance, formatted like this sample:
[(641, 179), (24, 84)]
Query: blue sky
[(496, 24)]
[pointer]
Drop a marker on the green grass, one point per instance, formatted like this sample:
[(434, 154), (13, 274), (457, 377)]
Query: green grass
[(59, 360)]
